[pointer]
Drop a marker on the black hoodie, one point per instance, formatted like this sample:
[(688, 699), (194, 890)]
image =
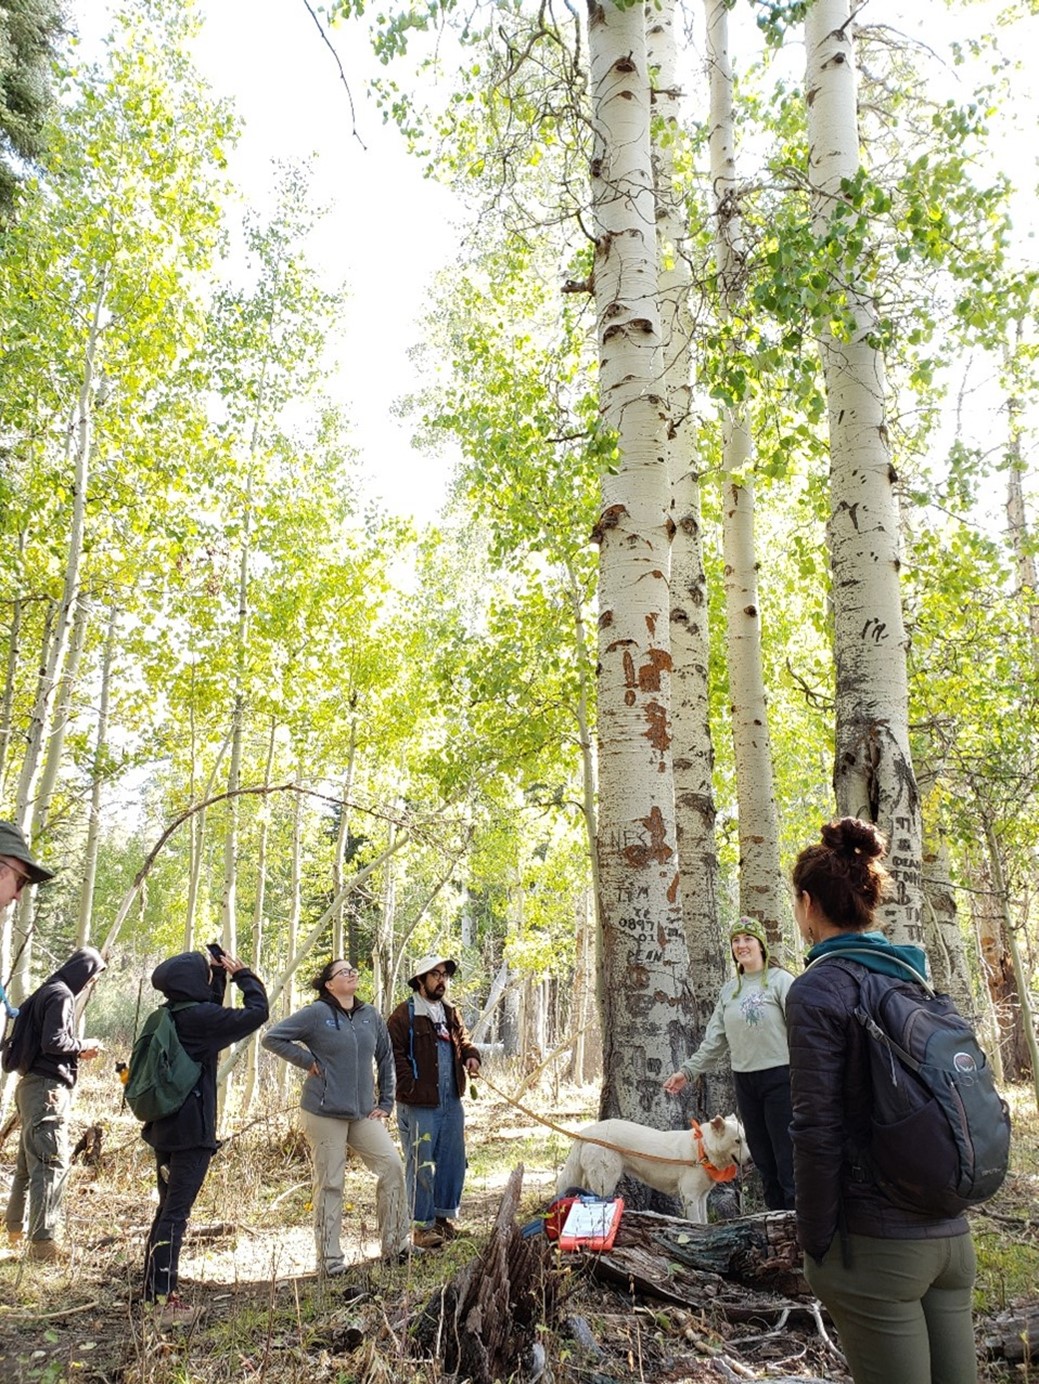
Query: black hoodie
[(53, 1008), (203, 1028)]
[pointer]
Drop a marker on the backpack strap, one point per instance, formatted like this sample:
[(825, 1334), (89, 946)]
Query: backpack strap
[(913, 973), (867, 1020)]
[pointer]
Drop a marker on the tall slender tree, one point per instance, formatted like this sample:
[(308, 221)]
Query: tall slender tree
[(873, 769), (646, 999)]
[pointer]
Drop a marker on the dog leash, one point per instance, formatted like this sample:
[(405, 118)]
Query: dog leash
[(724, 1175)]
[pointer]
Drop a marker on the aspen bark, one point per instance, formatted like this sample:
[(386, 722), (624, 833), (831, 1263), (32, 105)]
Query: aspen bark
[(692, 752), (259, 914), (763, 891), (86, 896), (343, 834), (10, 676), (646, 1000), (873, 770)]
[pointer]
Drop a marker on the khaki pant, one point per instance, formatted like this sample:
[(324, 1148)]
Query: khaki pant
[(330, 1143), (43, 1156)]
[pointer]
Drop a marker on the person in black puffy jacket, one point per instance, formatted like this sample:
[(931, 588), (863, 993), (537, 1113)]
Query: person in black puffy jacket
[(897, 1283), (185, 1142)]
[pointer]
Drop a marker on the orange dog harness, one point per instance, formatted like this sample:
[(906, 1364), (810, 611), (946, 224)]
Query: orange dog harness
[(715, 1174)]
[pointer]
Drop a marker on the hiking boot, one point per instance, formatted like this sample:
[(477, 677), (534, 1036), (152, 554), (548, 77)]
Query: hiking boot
[(47, 1252), (427, 1237), (447, 1230), (176, 1314), (403, 1255), (15, 1235)]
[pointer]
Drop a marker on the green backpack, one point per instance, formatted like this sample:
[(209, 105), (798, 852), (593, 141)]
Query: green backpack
[(162, 1075)]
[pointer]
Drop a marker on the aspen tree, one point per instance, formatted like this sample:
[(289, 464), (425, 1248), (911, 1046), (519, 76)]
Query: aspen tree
[(646, 1001), (873, 770), (763, 892), (692, 752)]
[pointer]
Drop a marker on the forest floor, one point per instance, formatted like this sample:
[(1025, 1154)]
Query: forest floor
[(269, 1318)]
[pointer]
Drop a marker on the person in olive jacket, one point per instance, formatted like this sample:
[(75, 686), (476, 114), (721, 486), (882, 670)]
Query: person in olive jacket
[(43, 1098), (432, 1053), (185, 1142), (896, 1282)]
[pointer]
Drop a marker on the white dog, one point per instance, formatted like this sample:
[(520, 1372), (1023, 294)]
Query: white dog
[(685, 1163)]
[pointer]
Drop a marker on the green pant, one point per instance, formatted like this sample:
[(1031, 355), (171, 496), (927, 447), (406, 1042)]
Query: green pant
[(43, 1156), (902, 1307)]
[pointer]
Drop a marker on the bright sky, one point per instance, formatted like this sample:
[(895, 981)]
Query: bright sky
[(387, 230)]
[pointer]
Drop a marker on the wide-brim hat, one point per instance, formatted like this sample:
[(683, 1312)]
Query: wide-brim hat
[(425, 964), (13, 845)]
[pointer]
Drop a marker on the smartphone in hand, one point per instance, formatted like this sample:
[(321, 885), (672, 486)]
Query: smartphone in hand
[(216, 951)]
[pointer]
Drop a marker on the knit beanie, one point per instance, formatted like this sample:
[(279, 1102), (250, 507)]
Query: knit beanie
[(750, 927)]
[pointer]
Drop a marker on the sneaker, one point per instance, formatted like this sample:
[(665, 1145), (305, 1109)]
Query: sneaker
[(47, 1252), (176, 1314), (333, 1270), (427, 1237)]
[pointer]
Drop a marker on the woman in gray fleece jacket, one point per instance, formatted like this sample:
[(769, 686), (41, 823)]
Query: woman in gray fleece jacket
[(342, 1043)]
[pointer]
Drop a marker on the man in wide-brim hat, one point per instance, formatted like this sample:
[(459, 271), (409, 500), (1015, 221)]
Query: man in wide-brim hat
[(432, 1055)]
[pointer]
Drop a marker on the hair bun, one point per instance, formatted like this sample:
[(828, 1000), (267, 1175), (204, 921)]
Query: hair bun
[(852, 836)]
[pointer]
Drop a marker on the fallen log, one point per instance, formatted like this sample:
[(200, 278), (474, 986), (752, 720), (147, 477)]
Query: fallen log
[(1012, 1336), (682, 1261)]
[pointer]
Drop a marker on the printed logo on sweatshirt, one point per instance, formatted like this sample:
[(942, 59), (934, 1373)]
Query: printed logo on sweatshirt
[(752, 1007)]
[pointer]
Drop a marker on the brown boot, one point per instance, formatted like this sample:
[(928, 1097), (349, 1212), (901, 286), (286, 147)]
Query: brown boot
[(427, 1237), (47, 1252)]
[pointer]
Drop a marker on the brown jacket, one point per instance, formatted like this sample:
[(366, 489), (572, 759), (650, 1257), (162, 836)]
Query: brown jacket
[(416, 1053)]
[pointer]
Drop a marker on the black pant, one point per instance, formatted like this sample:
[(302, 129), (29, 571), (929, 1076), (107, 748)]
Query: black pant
[(763, 1099), (181, 1173)]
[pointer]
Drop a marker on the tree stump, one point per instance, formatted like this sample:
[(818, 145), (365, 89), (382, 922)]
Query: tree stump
[(481, 1324)]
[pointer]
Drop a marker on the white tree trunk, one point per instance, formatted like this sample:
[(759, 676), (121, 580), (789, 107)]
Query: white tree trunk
[(259, 914), (86, 895), (873, 771), (10, 672), (1017, 520), (692, 751), (343, 834), (589, 786), (647, 1004), (228, 911), (763, 891)]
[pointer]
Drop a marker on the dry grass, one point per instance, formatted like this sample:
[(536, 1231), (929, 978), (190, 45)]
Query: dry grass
[(269, 1318)]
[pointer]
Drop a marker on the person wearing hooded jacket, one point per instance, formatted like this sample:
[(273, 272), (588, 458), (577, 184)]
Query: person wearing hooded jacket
[(43, 1098), (339, 1041), (897, 1283), (748, 1030), (185, 1141), (432, 1054)]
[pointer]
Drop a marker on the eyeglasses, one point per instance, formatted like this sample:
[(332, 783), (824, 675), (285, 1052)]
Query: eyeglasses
[(438, 975), (22, 879), (345, 971)]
